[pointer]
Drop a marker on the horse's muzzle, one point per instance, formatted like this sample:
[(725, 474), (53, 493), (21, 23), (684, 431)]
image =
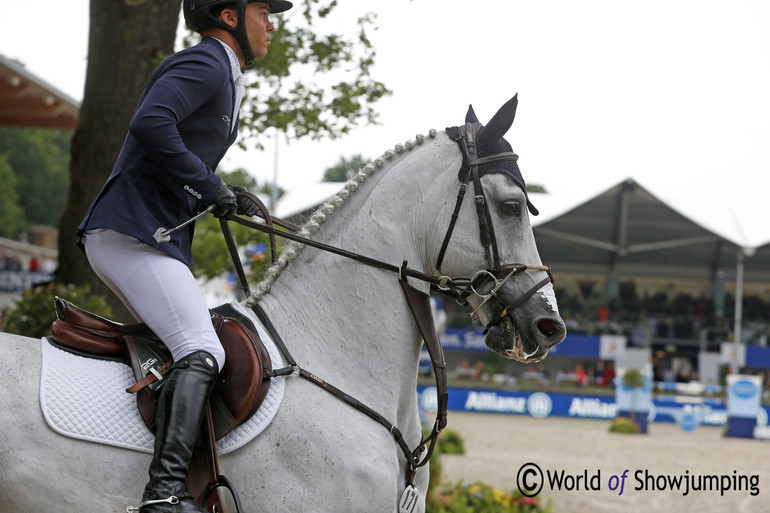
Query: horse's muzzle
[(506, 340)]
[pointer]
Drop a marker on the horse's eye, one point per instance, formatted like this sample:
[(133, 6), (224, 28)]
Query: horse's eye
[(511, 208)]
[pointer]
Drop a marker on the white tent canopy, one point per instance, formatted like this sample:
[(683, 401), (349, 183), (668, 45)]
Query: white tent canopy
[(629, 230)]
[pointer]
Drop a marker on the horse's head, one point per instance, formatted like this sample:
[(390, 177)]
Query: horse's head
[(509, 289)]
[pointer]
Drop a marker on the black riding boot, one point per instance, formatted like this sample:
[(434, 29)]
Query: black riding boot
[(180, 411)]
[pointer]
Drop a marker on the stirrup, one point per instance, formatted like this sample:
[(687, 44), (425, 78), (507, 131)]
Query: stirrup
[(223, 482), (135, 509)]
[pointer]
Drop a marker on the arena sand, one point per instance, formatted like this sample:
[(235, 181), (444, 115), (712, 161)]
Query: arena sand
[(497, 446)]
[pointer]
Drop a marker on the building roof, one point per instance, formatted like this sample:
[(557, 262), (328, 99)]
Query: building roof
[(28, 101), (632, 231)]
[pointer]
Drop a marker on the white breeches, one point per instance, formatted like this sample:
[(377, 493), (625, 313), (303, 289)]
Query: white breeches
[(157, 289)]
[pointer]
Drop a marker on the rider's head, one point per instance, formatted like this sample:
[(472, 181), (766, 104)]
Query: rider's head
[(232, 16)]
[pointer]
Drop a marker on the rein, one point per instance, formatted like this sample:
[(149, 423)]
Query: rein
[(440, 283)]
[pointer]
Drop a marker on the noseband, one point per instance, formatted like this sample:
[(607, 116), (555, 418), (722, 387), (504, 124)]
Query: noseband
[(466, 139)]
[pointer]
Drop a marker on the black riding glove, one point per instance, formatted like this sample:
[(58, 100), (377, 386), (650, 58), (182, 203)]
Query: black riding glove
[(246, 205), (225, 201)]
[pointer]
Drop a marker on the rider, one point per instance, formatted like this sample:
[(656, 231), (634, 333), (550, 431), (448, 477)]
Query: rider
[(186, 120)]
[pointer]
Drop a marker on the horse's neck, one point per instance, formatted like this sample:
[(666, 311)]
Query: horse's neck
[(346, 321)]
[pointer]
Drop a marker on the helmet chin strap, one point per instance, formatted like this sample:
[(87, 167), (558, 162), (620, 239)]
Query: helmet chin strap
[(239, 31), (248, 56)]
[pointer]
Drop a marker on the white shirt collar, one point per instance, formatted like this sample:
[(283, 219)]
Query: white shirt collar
[(234, 64), (238, 80)]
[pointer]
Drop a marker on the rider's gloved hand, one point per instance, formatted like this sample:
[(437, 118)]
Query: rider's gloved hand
[(246, 206), (225, 201)]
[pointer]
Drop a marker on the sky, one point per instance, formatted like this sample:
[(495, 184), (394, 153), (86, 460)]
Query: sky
[(673, 93)]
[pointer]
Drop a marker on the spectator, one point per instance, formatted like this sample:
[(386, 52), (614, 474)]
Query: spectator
[(34, 264), (479, 373), (609, 375), (581, 378), (599, 373), (10, 262), (464, 370)]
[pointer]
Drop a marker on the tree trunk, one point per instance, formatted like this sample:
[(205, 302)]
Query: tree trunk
[(127, 40)]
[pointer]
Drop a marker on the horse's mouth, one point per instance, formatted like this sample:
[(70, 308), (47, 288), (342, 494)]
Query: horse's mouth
[(505, 340)]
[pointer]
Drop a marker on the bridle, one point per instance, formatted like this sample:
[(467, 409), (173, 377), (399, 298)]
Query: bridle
[(496, 272), (466, 139), (418, 301)]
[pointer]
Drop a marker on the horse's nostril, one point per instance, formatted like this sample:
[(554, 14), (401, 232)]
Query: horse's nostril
[(546, 326)]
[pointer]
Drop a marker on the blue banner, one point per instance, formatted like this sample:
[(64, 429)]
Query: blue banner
[(758, 356), (581, 346), (538, 404), (456, 339), (548, 404)]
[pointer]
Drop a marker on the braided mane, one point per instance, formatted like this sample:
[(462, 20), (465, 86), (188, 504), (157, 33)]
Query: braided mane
[(324, 211)]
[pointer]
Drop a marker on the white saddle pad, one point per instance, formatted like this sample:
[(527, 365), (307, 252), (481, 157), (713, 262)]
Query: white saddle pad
[(86, 399)]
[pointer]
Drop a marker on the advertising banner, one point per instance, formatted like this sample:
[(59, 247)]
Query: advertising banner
[(743, 395), (585, 406), (744, 399)]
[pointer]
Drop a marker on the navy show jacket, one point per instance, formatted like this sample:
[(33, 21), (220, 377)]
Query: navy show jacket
[(180, 132)]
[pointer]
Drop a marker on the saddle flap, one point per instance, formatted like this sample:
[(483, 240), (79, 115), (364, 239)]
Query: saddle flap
[(240, 388), (242, 384)]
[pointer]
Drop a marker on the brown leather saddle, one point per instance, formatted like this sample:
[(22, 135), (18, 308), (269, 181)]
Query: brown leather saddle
[(241, 387)]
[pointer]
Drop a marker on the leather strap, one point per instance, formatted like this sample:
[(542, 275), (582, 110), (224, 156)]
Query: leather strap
[(264, 214), (505, 311), (151, 377), (452, 221), (213, 457), (209, 498), (507, 155), (412, 273), (419, 304), (233, 249), (466, 139)]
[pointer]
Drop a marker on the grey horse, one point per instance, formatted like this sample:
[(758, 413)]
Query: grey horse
[(344, 321)]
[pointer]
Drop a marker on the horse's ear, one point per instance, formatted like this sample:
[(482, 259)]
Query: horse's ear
[(470, 117), (499, 124)]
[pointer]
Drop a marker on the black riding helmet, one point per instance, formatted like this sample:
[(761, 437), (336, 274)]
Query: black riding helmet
[(200, 15)]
